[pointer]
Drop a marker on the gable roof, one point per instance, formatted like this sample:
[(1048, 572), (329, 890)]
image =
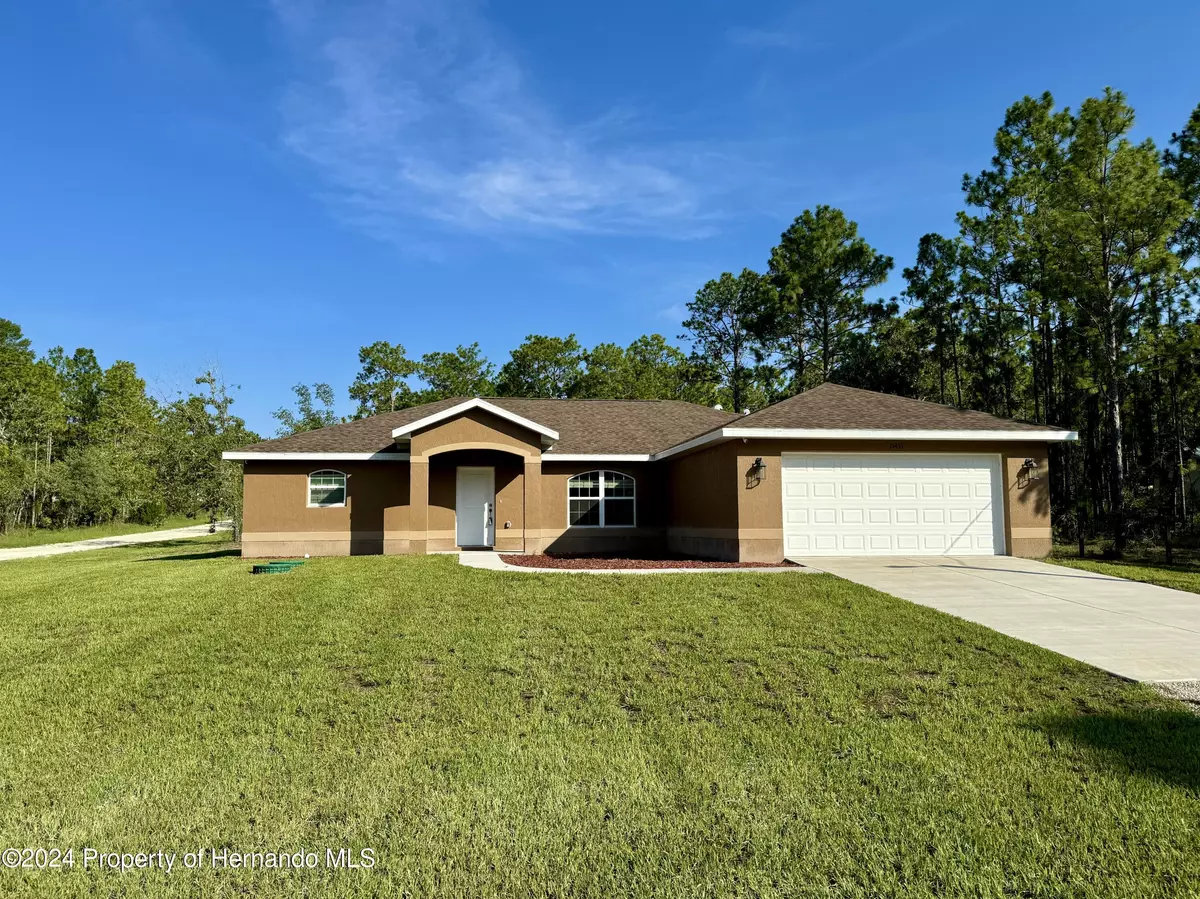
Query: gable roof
[(594, 427), (406, 430), (666, 427)]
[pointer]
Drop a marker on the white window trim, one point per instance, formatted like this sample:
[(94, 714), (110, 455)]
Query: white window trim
[(345, 489), (602, 499)]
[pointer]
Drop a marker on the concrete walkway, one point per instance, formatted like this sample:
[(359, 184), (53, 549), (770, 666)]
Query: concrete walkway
[(55, 549), (1136, 630)]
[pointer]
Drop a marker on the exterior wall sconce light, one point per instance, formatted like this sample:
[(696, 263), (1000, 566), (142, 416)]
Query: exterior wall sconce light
[(1031, 470), (758, 471)]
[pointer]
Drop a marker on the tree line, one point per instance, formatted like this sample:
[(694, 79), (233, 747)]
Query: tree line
[(1066, 297), (81, 444)]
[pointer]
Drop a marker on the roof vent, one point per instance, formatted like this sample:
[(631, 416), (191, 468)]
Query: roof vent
[(718, 407)]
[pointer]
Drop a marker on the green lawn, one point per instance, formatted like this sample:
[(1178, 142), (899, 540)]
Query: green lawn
[(1182, 575), (42, 536), (509, 734)]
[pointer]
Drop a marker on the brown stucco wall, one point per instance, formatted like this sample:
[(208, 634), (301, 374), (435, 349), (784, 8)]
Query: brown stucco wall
[(276, 520), (702, 502), (760, 508)]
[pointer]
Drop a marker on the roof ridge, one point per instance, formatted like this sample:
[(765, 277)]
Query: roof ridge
[(593, 399)]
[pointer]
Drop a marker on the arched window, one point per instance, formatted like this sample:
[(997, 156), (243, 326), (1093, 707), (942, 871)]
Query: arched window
[(327, 488), (601, 499)]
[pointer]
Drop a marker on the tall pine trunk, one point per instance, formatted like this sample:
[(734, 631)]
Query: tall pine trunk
[(33, 516), (735, 386), (941, 348), (1116, 455), (957, 377), (826, 346)]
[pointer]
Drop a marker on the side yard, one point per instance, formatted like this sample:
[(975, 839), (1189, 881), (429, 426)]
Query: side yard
[(43, 536), (1183, 574), (503, 734)]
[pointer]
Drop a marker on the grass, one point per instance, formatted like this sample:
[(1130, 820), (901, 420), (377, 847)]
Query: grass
[(42, 536), (511, 734), (1146, 565)]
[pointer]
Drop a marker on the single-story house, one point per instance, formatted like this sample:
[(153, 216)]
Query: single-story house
[(831, 471)]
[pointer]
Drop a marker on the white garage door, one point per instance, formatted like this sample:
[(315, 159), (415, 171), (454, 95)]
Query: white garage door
[(849, 504)]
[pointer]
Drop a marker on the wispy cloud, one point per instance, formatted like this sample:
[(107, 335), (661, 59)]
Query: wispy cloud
[(412, 108), (781, 38)]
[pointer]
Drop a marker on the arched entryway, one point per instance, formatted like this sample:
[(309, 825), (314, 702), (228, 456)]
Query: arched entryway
[(481, 496)]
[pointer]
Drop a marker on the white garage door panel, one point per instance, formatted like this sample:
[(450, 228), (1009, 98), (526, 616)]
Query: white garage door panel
[(891, 504)]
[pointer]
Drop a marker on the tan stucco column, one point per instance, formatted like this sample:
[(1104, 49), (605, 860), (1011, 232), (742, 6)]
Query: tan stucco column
[(533, 504), (418, 505), (1027, 503)]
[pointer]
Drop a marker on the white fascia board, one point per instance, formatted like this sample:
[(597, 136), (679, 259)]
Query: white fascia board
[(895, 434), (314, 457), (596, 457), (710, 437), (1047, 435), (406, 430)]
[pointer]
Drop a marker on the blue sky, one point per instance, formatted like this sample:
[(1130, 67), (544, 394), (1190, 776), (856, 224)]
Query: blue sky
[(267, 186)]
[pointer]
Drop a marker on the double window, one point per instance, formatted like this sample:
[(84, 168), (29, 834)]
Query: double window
[(600, 499), (327, 488)]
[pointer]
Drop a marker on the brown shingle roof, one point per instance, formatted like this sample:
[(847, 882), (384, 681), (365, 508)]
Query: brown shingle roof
[(835, 407), (367, 435), (651, 426), (584, 426), (618, 426)]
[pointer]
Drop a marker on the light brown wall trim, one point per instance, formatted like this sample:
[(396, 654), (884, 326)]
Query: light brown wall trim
[(1030, 533), (703, 533), (293, 548), (471, 445), (275, 536), (298, 536), (586, 533), (729, 533)]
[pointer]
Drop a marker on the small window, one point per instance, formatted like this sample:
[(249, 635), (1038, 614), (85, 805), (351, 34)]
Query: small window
[(600, 499), (327, 488)]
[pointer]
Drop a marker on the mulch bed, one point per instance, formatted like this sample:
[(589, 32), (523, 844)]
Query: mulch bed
[(565, 560)]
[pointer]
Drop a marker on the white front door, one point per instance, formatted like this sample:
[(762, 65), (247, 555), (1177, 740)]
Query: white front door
[(474, 506), (891, 504)]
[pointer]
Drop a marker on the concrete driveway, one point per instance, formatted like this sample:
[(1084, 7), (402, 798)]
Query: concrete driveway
[(1135, 630)]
